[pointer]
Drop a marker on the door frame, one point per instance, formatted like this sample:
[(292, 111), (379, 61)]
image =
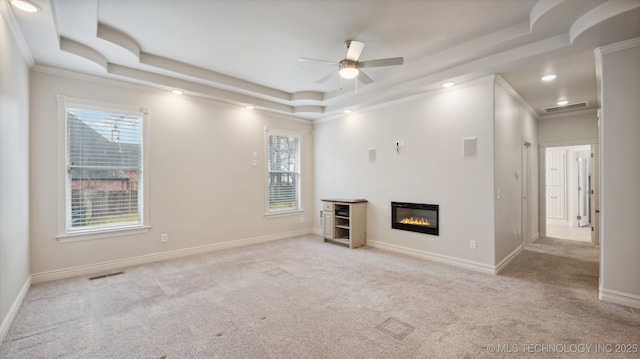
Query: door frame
[(525, 197), (542, 180), (595, 194)]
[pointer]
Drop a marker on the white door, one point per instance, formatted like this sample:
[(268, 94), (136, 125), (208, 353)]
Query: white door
[(555, 202), (582, 187), (556, 185)]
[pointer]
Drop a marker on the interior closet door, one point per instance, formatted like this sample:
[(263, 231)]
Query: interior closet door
[(583, 189), (556, 184)]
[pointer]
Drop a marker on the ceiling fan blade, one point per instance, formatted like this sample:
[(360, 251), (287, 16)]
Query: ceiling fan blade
[(326, 77), (355, 49), (319, 62), (382, 62), (364, 78)]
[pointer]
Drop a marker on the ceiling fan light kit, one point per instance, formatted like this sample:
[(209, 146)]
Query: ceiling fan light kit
[(349, 67)]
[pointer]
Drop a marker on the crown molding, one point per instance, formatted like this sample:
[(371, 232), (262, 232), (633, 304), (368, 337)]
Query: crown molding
[(12, 24), (618, 46), (500, 81)]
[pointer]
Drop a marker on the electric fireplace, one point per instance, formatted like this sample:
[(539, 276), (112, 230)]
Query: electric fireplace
[(415, 217)]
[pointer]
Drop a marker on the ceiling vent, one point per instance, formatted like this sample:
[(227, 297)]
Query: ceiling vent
[(569, 107)]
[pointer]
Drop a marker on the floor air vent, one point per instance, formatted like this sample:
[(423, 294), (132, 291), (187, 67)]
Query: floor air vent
[(105, 275), (572, 106)]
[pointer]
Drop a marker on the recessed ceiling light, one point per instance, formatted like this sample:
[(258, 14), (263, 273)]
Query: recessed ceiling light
[(26, 5), (549, 77), (448, 84), (562, 102), (348, 111), (250, 107), (177, 92)]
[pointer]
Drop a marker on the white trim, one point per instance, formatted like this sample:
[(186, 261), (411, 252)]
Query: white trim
[(292, 213), (298, 170), (64, 207), (463, 263), (618, 46), (569, 143), (13, 311), (161, 256), (14, 28), (506, 260), (435, 89), (149, 82), (500, 81), (535, 237), (622, 298), (102, 233)]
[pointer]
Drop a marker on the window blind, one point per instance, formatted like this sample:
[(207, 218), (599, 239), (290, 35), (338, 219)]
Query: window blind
[(283, 172), (104, 170)]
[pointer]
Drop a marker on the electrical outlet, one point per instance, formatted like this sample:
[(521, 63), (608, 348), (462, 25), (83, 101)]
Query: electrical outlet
[(472, 244), (164, 238), (301, 219)]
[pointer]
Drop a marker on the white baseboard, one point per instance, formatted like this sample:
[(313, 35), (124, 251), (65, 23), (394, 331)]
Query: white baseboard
[(622, 298), (157, 257), (13, 311), (463, 263), (506, 260), (318, 231)]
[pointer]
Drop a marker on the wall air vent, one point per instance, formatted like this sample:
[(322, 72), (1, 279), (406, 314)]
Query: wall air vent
[(569, 107)]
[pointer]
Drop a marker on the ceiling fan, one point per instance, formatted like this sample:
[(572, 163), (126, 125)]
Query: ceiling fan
[(349, 67)]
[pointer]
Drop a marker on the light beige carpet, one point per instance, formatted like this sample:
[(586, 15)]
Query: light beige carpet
[(303, 298)]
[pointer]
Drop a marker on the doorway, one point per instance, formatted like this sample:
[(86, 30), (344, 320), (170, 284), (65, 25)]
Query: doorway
[(568, 187)]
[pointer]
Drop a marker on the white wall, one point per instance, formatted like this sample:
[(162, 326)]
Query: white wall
[(429, 169), (513, 124), (569, 129), (203, 187), (14, 175), (620, 175)]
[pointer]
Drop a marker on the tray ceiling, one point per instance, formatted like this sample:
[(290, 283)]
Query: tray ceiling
[(246, 51)]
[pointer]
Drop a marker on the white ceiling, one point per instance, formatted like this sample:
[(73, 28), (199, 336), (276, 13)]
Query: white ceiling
[(246, 51)]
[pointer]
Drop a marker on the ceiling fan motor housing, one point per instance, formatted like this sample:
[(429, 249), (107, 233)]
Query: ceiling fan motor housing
[(348, 64)]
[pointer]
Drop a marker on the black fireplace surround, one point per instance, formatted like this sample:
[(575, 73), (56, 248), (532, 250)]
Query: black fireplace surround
[(415, 217)]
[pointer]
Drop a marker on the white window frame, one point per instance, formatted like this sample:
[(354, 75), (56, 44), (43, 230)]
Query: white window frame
[(288, 212), (64, 206)]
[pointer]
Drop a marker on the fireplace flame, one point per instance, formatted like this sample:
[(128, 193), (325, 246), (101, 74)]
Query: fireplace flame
[(415, 221)]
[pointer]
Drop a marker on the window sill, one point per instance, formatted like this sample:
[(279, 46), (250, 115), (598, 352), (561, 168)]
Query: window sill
[(100, 234), (296, 212)]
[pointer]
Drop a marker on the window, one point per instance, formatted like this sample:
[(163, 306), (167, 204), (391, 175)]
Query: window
[(104, 165), (283, 171)]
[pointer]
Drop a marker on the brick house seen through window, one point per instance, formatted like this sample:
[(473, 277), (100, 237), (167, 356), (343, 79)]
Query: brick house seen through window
[(104, 168)]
